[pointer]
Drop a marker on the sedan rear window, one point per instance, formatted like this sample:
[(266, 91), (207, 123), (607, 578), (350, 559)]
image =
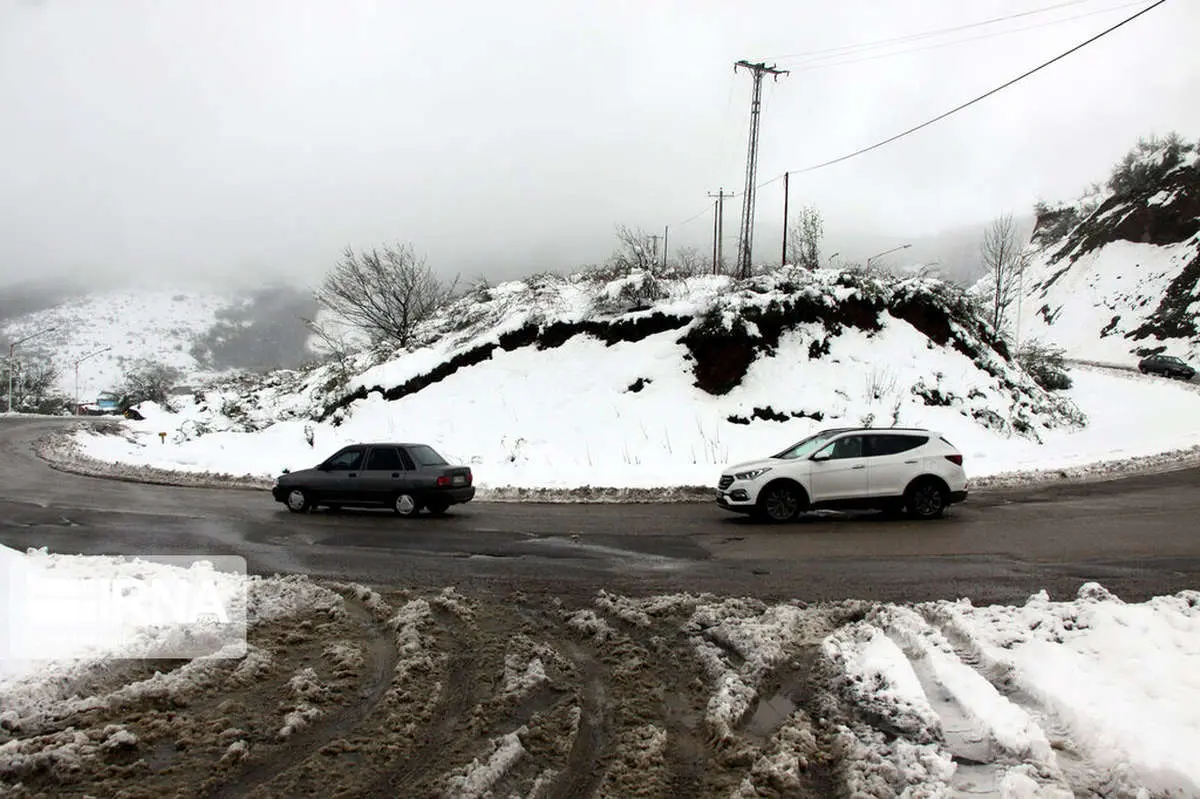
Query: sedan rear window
[(426, 456)]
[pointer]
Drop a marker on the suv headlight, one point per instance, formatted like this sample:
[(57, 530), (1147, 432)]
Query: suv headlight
[(751, 474)]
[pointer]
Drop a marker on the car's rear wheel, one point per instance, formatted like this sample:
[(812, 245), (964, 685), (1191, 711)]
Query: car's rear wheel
[(780, 502), (437, 507), (406, 505), (926, 499), (297, 501)]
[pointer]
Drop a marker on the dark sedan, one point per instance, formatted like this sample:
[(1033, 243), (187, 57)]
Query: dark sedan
[(1168, 366), (404, 477)]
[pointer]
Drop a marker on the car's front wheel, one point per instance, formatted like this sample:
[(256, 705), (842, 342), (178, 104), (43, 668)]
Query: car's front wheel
[(406, 505), (926, 499), (297, 501), (780, 502)]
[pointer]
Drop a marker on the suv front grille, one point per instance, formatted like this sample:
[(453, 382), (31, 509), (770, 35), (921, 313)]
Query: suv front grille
[(726, 482)]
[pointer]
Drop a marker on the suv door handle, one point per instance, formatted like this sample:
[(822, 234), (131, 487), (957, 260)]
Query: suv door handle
[(395, 474), (914, 460), (352, 474), (860, 466)]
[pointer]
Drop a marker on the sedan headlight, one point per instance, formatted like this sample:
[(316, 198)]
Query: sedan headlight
[(752, 474)]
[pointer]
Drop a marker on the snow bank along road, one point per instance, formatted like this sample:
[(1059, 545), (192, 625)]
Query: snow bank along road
[(567, 651)]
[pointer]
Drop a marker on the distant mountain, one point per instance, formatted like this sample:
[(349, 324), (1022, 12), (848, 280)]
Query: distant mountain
[(1117, 274), (200, 334)]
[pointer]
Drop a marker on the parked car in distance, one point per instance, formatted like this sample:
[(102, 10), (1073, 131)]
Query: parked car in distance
[(888, 469), (405, 477), (1166, 365)]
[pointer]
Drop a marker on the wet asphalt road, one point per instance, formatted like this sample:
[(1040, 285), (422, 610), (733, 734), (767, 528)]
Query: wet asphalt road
[(1138, 536)]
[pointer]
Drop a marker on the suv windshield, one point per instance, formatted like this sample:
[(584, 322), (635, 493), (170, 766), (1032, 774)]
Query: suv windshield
[(806, 447)]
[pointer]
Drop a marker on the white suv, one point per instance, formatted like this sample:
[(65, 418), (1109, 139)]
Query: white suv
[(889, 469)]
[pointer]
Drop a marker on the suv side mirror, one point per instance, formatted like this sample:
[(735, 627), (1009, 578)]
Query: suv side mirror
[(322, 467), (819, 456)]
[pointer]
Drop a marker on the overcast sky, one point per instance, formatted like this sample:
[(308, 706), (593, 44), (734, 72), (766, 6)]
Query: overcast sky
[(249, 138)]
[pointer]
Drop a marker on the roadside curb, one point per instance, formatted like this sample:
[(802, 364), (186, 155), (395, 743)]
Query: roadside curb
[(62, 453)]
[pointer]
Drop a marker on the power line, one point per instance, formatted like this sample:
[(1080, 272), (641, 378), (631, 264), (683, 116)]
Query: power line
[(972, 102), (839, 61), (927, 34)]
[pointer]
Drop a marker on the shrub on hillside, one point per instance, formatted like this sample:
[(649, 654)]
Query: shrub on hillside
[(148, 382), (636, 292), (1147, 163), (1044, 363)]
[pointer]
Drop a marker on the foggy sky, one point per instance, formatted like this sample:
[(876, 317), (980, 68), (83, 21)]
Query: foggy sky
[(248, 139)]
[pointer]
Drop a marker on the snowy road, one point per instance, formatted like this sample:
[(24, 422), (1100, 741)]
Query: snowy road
[(1135, 535)]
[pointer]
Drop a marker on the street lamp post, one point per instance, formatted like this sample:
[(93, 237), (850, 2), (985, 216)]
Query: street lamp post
[(886, 252), (12, 360), (81, 360)]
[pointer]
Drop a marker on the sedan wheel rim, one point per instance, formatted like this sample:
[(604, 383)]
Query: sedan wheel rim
[(781, 505), (405, 504), (296, 500)]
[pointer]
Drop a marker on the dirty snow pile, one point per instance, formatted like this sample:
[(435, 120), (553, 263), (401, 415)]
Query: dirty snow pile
[(1117, 272), (644, 382)]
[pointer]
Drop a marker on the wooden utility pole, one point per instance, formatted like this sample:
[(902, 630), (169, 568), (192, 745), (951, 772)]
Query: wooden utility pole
[(719, 231), (746, 235), (666, 233)]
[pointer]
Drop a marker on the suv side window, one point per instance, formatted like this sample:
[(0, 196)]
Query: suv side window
[(848, 447), (347, 461), (384, 459), (894, 444)]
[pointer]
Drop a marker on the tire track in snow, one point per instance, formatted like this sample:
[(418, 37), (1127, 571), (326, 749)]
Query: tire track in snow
[(463, 688), (581, 775), (382, 658), (1080, 769)]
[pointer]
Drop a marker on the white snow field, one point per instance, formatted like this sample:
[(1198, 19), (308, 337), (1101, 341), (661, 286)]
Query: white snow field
[(574, 425), (154, 325)]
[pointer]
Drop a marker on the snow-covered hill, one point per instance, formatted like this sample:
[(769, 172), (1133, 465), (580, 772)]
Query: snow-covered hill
[(634, 381), (1117, 274), (201, 334), (151, 325)]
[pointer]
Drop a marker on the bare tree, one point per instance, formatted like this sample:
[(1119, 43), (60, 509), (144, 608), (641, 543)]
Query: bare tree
[(637, 250), (690, 263), (33, 382), (1005, 260), (804, 239), (385, 294)]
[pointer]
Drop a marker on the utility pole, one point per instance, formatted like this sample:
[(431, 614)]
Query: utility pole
[(666, 232), (746, 235), (719, 231), (783, 258)]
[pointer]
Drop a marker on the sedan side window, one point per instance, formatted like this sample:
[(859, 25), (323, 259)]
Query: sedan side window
[(347, 461), (384, 459)]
